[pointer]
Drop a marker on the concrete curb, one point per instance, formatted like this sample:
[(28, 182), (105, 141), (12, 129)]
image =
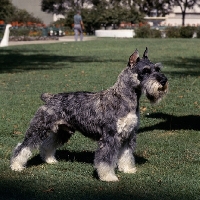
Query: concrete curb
[(60, 40)]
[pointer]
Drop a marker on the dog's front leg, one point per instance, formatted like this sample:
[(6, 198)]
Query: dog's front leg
[(126, 161), (106, 158)]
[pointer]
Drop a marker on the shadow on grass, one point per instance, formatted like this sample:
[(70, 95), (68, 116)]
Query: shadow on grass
[(86, 157), (188, 122), (184, 66), (14, 61), (82, 157), (24, 189), (72, 156)]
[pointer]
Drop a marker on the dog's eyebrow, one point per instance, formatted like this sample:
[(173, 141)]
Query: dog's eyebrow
[(147, 67)]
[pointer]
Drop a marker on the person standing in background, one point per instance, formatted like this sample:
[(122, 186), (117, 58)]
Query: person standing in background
[(78, 26)]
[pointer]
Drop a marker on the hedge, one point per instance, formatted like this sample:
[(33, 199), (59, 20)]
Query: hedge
[(170, 32), (147, 32)]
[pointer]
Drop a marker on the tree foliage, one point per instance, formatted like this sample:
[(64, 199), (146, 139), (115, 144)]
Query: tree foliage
[(107, 11), (62, 6), (98, 13), (54, 6), (6, 9), (159, 7)]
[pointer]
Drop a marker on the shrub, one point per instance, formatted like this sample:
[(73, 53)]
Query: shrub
[(147, 32), (180, 32), (19, 32), (143, 32), (25, 32), (172, 32), (155, 33), (187, 31), (36, 33)]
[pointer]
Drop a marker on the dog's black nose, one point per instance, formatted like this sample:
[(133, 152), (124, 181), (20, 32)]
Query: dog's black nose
[(163, 81)]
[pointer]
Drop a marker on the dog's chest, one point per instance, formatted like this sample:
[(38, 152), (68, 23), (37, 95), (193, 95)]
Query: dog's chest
[(127, 124)]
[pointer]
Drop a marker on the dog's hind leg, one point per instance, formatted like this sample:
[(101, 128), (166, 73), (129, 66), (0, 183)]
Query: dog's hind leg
[(23, 151), (20, 156), (46, 141), (48, 149), (54, 141)]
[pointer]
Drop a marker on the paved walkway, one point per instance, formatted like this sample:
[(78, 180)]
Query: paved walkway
[(61, 39)]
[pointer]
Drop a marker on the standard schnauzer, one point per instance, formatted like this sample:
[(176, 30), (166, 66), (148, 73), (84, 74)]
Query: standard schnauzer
[(111, 117)]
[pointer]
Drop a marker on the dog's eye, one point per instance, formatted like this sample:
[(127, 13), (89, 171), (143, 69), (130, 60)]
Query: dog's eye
[(157, 69), (146, 71)]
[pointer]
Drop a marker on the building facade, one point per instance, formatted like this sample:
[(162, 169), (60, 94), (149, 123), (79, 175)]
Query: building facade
[(192, 17)]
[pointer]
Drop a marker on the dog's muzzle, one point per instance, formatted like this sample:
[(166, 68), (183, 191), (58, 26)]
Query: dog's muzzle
[(163, 88)]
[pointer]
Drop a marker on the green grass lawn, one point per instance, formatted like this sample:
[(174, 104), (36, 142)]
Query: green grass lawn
[(168, 143)]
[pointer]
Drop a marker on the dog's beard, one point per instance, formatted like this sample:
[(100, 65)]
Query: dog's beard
[(154, 91)]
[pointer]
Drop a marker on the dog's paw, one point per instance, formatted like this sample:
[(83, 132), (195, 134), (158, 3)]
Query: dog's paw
[(106, 172), (129, 170), (51, 160), (17, 167), (109, 178)]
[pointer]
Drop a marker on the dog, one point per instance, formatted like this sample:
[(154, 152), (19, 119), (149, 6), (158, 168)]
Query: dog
[(111, 117)]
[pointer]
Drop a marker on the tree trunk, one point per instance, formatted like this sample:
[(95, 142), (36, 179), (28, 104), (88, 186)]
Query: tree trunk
[(183, 18)]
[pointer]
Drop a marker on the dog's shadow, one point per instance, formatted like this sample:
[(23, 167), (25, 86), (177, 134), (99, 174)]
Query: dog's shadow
[(73, 156), (172, 122)]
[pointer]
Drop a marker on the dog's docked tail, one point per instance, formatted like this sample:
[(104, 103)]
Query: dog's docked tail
[(46, 97)]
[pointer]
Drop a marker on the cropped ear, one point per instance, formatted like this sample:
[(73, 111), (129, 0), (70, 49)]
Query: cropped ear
[(145, 55), (133, 59)]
